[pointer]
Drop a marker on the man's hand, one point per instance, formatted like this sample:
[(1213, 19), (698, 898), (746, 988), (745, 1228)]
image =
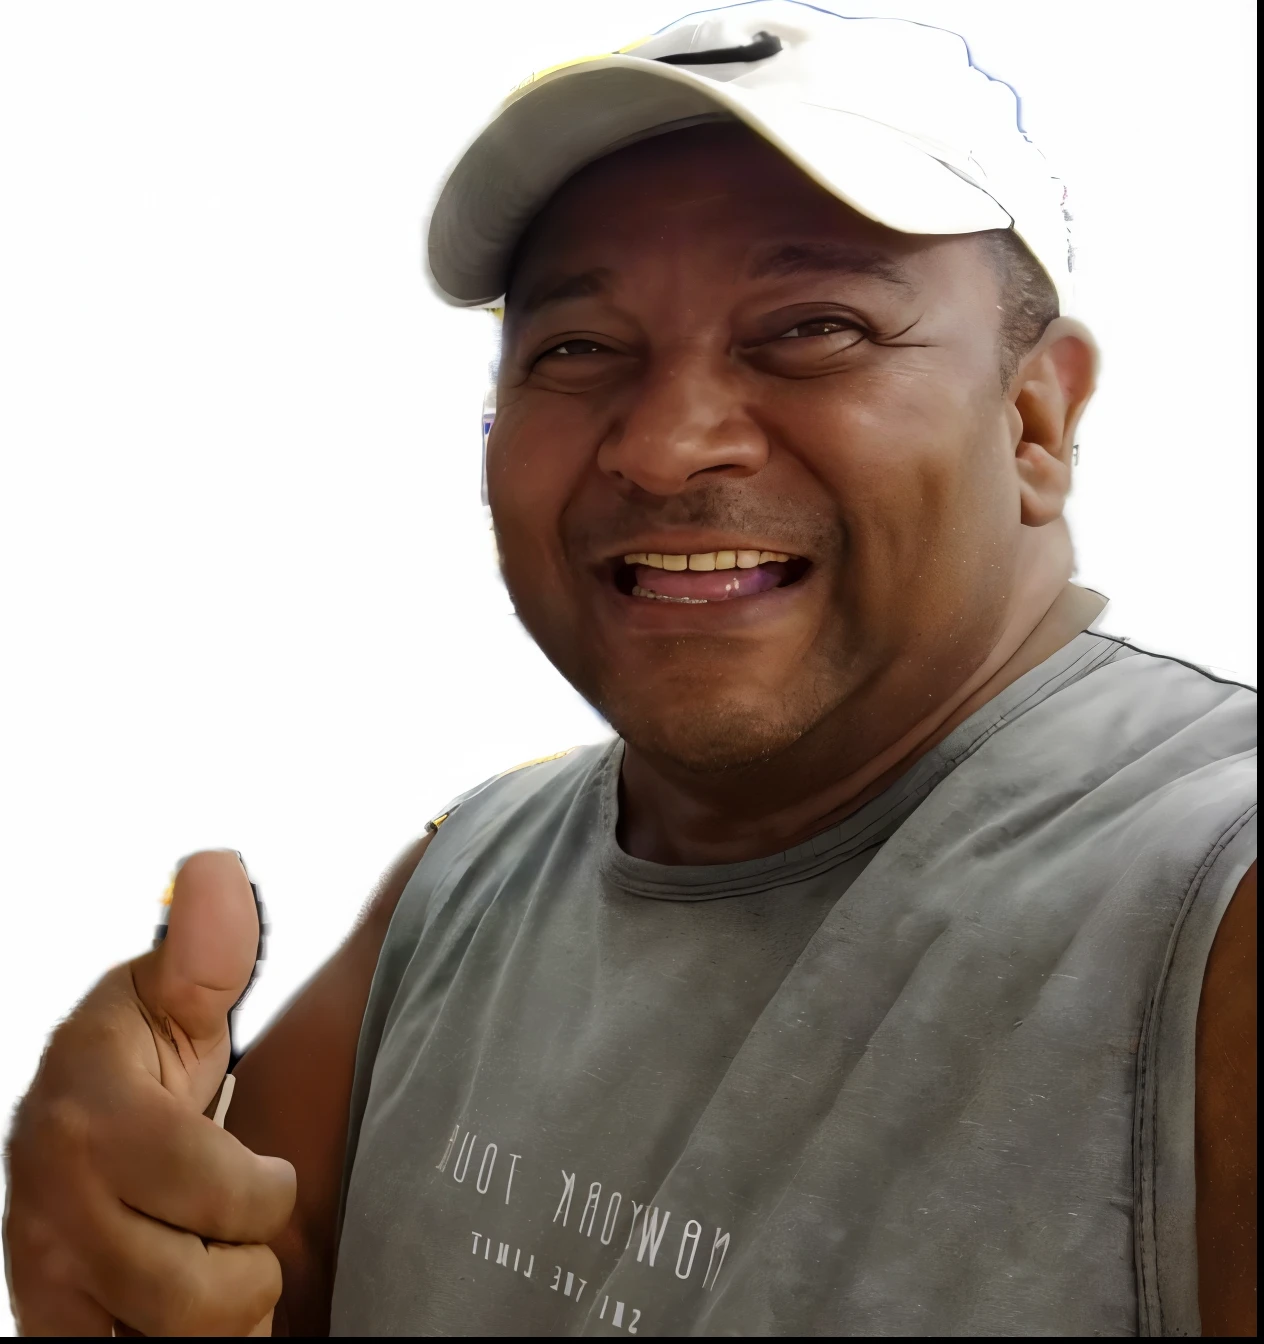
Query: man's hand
[(125, 1201)]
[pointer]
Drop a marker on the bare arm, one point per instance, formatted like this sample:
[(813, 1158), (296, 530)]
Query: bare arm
[(1224, 1123), (292, 1099)]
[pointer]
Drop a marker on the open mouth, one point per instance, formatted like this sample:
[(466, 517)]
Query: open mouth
[(705, 576)]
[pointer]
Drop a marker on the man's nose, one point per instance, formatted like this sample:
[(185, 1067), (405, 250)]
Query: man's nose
[(688, 419)]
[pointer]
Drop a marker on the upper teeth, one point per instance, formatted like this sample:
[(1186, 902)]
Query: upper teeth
[(705, 559)]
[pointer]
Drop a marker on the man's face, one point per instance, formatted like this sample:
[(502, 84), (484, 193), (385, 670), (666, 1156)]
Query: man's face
[(706, 355)]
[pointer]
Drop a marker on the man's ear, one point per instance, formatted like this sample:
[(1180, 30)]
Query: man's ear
[(1049, 392)]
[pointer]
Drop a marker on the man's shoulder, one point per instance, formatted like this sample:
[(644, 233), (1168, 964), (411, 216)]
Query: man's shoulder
[(1155, 701), (1113, 741), (1180, 669), (507, 827), (529, 785)]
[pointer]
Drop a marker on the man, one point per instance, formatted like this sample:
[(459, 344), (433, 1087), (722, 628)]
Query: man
[(892, 972)]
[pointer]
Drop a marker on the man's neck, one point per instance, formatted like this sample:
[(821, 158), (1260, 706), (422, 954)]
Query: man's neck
[(666, 821)]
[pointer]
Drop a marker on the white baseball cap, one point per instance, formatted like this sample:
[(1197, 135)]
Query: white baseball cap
[(890, 116)]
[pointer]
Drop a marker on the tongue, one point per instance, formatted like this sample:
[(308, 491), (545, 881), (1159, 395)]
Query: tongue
[(716, 585)]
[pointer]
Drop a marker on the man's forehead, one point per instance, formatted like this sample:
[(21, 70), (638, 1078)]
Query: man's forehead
[(556, 282)]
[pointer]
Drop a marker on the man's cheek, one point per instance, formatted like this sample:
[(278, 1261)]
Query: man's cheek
[(537, 582)]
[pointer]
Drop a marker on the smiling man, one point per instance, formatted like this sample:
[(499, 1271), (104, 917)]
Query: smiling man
[(892, 971)]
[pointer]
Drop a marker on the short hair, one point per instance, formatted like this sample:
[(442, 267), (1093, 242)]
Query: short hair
[(1029, 301)]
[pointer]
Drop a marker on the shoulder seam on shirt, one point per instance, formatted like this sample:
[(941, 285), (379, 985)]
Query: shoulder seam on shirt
[(1123, 642), (537, 760), (435, 822)]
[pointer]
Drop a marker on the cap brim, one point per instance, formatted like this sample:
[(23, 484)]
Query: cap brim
[(584, 112)]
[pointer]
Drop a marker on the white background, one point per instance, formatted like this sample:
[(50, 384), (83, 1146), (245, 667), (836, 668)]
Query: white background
[(248, 595)]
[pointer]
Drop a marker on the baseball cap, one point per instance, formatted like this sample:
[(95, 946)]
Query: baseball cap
[(889, 115)]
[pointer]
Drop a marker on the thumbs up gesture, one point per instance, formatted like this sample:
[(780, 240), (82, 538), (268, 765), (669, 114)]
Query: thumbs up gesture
[(126, 1201)]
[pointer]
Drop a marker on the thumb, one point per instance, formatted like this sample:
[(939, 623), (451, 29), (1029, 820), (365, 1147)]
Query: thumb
[(191, 981)]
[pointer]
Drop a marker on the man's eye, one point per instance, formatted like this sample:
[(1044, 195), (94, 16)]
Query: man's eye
[(575, 346), (821, 326)]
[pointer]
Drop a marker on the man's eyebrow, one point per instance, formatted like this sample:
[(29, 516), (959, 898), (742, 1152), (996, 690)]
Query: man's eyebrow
[(783, 260), (583, 285), (828, 259)]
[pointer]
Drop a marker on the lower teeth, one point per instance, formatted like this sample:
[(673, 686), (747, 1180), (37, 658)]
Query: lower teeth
[(638, 591)]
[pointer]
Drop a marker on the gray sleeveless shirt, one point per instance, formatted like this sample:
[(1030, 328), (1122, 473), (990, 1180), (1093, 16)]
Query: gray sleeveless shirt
[(930, 1072)]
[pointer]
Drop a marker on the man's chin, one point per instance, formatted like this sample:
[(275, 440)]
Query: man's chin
[(708, 738)]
